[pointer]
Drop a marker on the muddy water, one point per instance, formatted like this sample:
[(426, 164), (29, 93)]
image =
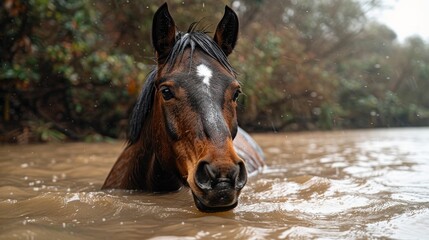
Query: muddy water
[(352, 184)]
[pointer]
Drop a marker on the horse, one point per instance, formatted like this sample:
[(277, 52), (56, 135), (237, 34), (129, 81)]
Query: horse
[(183, 128)]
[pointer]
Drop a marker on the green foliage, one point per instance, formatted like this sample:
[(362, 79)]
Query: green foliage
[(17, 72), (44, 132)]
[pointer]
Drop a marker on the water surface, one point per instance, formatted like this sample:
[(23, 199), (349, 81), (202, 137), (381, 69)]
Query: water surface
[(345, 184)]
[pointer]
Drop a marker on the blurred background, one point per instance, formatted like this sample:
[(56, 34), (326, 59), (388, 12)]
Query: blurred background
[(72, 70)]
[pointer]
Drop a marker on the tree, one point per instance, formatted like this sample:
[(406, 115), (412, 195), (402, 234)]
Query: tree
[(72, 70)]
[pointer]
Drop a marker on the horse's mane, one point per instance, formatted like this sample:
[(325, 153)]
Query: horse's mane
[(142, 108), (191, 39)]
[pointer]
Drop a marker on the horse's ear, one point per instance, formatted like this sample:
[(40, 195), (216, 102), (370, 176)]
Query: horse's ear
[(227, 31), (163, 31)]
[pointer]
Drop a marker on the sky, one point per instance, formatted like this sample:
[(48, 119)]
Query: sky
[(406, 17)]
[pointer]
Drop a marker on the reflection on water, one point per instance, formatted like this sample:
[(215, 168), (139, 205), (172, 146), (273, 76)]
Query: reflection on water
[(352, 184)]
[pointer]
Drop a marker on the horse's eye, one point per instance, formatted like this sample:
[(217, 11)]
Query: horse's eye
[(236, 94), (167, 94)]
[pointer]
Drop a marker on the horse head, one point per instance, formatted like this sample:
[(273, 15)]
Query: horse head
[(195, 107), (184, 124)]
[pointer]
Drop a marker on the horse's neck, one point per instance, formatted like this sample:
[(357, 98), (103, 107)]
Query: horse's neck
[(131, 169), (139, 168), (162, 178)]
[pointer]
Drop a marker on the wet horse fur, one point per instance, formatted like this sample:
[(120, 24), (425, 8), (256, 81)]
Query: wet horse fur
[(183, 131)]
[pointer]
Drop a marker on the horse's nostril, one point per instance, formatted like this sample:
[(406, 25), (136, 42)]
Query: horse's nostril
[(235, 171), (241, 176), (204, 175), (210, 171)]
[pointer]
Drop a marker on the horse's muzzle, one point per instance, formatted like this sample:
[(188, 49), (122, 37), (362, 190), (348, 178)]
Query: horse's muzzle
[(219, 186)]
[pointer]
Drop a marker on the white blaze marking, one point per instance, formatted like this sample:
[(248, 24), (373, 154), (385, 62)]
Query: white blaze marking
[(205, 72)]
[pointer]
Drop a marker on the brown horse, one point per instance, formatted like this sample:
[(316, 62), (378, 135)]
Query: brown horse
[(183, 130)]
